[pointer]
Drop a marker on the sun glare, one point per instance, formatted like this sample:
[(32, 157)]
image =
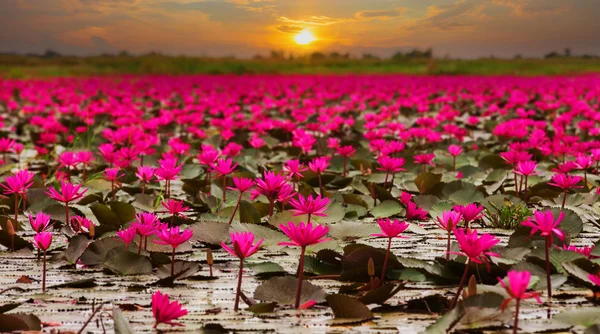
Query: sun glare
[(304, 37)]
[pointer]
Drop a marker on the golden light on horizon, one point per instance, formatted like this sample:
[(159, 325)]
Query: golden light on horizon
[(304, 37)]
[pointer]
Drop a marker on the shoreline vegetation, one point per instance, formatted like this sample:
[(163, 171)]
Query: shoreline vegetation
[(54, 65)]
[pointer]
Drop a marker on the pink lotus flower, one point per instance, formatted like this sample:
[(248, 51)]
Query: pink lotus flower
[(586, 251), (127, 235), (476, 249), (256, 142), (389, 229), (224, 167), (309, 206), (405, 197), (565, 182), (546, 225), (469, 212), (175, 208), (145, 175), (526, 168), (455, 150), (243, 247), (303, 235), (242, 185), (173, 237), (68, 193), (270, 186), (40, 223), (447, 222), (42, 241), (518, 283), (67, 160), (79, 222), (513, 157), (319, 165), (19, 183), (594, 278), (168, 171), (390, 165), (243, 244), (424, 159), (165, 311), (293, 168), (413, 212)]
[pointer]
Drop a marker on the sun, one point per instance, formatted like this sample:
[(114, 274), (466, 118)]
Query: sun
[(304, 37)]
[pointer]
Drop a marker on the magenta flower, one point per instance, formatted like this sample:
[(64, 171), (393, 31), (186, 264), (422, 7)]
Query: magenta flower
[(112, 175), (346, 152), (319, 165), (585, 250), (145, 224), (565, 182), (518, 283), (476, 249), (390, 165), (174, 237), (455, 150), (68, 193), (526, 168), (469, 212), (127, 235), (447, 222), (224, 167), (40, 223), (594, 278), (165, 311), (546, 225), (256, 142), (389, 229), (303, 235), (293, 168), (243, 247), (405, 197), (309, 206), (145, 175), (413, 212), (424, 159), (270, 186), (242, 185), (77, 222), (107, 151), (175, 207), (18, 183), (67, 160), (42, 241), (168, 171)]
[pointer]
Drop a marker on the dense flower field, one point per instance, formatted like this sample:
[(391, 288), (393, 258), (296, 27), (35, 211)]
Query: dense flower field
[(300, 203)]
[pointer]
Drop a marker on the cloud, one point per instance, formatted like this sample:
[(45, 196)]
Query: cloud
[(380, 14), (289, 29), (464, 14), (531, 8), (313, 20)]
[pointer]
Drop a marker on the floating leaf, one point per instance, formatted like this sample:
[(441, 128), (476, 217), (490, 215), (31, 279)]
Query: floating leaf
[(19, 322), (210, 232), (259, 308), (121, 325), (181, 269), (77, 246), (283, 291), (386, 209), (95, 253), (427, 181), (348, 308), (127, 263)]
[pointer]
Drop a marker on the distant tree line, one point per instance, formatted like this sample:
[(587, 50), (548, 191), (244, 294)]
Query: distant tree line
[(567, 54)]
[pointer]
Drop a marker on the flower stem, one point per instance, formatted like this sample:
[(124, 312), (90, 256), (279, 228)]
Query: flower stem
[(385, 261), (461, 285), (17, 212), (44, 274), (564, 199), (548, 280), (300, 275), (516, 324), (516, 186), (140, 245), (239, 286), (385, 181), (224, 188), (173, 262), (271, 206), (345, 166), (67, 221), (448, 248), (320, 184), (237, 205), (453, 163)]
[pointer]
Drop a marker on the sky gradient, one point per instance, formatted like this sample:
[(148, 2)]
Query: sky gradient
[(243, 28)]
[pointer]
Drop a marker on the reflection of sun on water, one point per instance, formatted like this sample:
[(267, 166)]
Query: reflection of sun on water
[(304, 37)]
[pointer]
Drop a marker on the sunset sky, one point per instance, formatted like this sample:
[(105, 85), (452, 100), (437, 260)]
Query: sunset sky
[(242, 28)]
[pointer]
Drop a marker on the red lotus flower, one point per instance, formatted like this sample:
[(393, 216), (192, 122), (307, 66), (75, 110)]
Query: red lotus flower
[(40, 223), (413, 212), (243, 245), (293, 168), (309, 206), (469, 212), (391, 229), (127, 235), (304, 234), (518, 283), (546, 225), (475, 247), (165, 311)]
